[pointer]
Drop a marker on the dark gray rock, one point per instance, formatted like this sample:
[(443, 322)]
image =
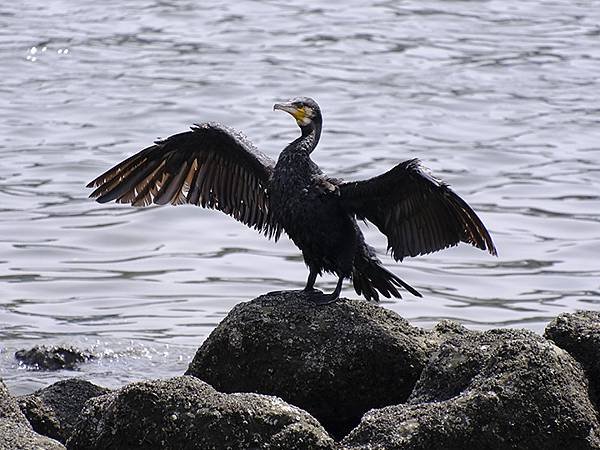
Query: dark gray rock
[(41, 357), (9, 409), (502, 389), (579, 334), (15, 436), (15, 431), (456, 363), (54, 410), (186, 413), (335, 361)]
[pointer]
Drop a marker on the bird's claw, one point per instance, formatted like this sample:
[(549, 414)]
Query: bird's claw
[(319, 298)]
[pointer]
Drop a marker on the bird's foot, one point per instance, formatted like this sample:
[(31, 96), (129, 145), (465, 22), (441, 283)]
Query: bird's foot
[(313, 295), (311, 291), (319, 298), (277, 292)]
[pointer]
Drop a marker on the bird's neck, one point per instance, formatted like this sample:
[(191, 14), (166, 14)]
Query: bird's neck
[(302, 147), (310, 136)]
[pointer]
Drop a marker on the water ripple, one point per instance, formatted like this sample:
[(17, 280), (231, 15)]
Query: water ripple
[(498, 98)]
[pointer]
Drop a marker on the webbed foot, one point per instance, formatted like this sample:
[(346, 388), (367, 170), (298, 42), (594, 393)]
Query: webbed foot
[(311, 291), (319, 298)]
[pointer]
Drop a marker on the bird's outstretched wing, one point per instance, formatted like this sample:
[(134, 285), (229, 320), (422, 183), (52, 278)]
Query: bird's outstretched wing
[(418, 213), (210, 166)]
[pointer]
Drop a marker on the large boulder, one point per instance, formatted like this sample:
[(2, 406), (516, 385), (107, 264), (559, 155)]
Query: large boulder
[(186, 413), (579, 334), (335, 361), (501, 389), (15, 431), (54, 410)]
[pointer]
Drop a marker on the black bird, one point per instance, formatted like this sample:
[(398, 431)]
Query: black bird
[(216, 167)]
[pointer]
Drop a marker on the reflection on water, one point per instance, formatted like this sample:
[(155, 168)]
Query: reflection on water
[(498, 98)]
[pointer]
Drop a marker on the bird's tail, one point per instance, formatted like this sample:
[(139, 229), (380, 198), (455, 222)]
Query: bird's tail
[(370, 278)]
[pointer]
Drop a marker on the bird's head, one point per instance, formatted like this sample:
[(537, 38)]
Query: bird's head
[(305, 110)]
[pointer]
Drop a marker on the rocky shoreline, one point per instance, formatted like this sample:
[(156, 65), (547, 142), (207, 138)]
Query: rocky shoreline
[(281, 373)]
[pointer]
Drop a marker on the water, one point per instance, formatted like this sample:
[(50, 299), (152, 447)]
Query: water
[(499, 98)]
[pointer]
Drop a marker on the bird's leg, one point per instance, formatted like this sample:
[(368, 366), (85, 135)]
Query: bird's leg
[(338, 288), (310, 282), (323, 299), (309, 289)]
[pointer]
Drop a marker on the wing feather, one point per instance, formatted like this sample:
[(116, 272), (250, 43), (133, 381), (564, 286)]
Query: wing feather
[(210, 166), (418, 213)]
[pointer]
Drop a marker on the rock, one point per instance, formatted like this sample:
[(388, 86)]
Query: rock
[(456, 362), (186, 413), (52, 358), (54, 410), (15, 431), (335, 361), (9, 409), (579, 334), (502, 389), (14, 436)]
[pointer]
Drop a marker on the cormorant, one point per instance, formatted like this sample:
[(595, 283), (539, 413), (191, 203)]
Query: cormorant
[(216, 167)]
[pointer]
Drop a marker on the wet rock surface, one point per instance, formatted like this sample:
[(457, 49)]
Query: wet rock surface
[(579, 334), (54, 410), (14, 436), (370, 378), (186, 413), (52, 358), (501, 389), (15, 431), (9, 409), (335, 361)]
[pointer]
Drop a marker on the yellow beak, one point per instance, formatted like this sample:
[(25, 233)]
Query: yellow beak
[(298, 113)]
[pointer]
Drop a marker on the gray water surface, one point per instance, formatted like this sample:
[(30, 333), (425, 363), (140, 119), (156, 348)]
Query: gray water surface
[(499, 98)]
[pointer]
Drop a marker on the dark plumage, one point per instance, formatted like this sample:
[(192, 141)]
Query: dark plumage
[(215, 167)]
